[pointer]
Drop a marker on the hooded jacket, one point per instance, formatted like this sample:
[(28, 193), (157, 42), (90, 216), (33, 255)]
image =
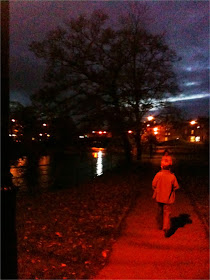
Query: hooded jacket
[(164, 185)]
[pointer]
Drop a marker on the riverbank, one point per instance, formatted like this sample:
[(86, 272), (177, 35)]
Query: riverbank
[(69, 234)]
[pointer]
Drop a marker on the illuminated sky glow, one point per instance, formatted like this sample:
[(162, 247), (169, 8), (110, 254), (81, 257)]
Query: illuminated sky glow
[(186, 24), (188, 97)]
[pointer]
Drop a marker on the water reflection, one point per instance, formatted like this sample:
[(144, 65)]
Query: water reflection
[(99, 164), (36, 173), (98, 154)]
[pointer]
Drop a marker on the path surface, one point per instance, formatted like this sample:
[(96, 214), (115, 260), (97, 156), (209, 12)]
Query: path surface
[(142, 252)]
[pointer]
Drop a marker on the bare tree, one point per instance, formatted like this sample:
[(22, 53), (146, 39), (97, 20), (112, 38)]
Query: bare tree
[(122, 70)]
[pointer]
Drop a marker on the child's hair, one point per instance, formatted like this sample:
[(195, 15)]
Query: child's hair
[(166, 151)]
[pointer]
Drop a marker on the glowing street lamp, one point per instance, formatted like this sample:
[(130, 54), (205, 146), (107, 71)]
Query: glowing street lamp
[(44, 124), (13, 120), (150, 118), (193, 122), (130, 131)]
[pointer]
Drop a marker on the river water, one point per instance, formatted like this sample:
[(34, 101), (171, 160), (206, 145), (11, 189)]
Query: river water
[(42, 173)]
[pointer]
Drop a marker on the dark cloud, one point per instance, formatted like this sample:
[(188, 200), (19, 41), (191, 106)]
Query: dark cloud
[(186, 24)]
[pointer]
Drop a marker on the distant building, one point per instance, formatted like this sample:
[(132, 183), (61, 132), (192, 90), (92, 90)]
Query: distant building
[(197, 130)]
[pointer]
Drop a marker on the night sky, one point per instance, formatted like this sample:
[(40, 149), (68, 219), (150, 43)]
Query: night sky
[(187, 32)]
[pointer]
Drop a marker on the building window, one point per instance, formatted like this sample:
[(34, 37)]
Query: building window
[(192, 131), (198, 139), (166, 138), (192, 138)]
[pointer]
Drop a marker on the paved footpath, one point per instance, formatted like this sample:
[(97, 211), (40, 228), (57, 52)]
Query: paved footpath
[(142, 252)]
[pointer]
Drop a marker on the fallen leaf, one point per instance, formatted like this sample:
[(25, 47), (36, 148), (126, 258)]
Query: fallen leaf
[(104, 254)]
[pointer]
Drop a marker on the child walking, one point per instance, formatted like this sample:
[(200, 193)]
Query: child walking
[(164, 185)]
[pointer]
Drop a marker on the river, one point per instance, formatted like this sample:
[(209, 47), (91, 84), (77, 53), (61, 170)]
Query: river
[(33, 175)]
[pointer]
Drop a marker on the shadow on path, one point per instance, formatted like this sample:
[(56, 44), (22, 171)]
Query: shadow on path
[(177, 222)]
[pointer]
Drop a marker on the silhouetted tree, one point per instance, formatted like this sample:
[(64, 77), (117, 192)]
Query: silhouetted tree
[(171, 117), (120, 71)]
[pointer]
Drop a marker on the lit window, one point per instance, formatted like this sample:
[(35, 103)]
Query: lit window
[(81, 136), (155, 129), (44, 124), (130, 131), (13, 120), (155, 132), (93, 131), (148, 124), (40, 134), (193, 122), (192, 131), (100, 132), (198, 126), (33, 138), (48, 135), (166, 138), (104, 132), (197, 138), (192, 138)]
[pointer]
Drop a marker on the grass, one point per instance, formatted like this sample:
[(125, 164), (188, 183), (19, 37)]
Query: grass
[(68, 234)]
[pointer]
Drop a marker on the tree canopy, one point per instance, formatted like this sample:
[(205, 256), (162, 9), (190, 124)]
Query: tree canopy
[(93, 68)]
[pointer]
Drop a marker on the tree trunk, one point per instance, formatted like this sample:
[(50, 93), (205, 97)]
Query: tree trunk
[(127, 147), (138, 144), (121, 125)]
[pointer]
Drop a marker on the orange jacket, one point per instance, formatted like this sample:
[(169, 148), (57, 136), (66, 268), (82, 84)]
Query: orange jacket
[(164, 185)]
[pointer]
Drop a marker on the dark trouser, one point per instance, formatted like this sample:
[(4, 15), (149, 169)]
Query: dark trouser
[(163, 216)]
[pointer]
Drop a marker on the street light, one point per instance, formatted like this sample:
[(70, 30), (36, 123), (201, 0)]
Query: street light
[(150, 118), (193, 122)]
